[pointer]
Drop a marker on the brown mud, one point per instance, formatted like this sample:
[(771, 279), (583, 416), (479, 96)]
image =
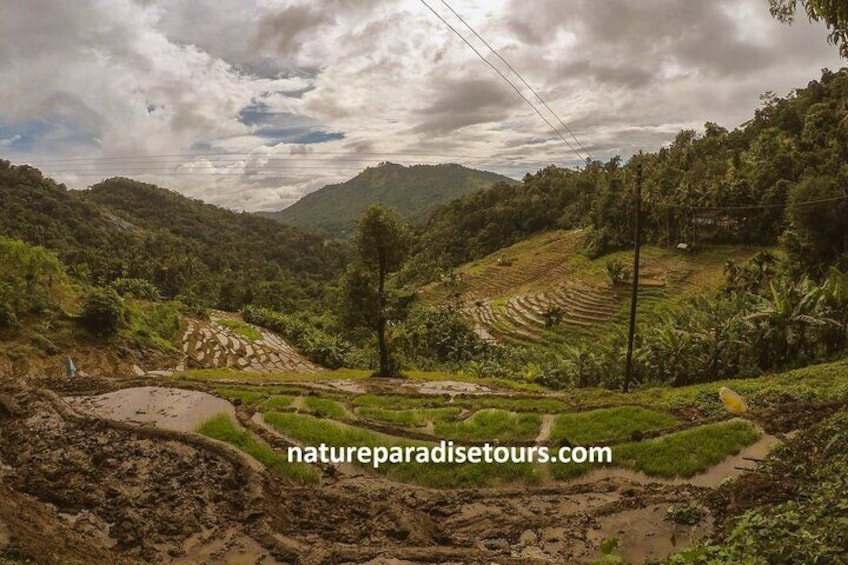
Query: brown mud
[(76, 487)]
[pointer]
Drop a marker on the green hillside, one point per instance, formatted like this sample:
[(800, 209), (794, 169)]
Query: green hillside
[(205, 254), (779, 178), (507, 294), (411, 191)]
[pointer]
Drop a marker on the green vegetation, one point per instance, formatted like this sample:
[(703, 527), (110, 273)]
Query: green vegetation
[(411, 191), (809, 524), (313, 431), (222, 428), (607, 424), (369, 301), (679, 454), (492, 424), (102, 312), (229, 374), (32, 281), (396, 402), (155, 325), (240, 328), (415, 417), (276, 403), (316, 337), (122, 229), (833, 14), (538, 404), (688, 452), (326, 408)]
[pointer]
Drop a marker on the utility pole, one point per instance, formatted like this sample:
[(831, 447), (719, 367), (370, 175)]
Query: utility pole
[(637, 198)]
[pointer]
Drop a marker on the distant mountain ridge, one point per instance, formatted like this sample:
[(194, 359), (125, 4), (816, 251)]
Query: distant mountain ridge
[(412, 192)]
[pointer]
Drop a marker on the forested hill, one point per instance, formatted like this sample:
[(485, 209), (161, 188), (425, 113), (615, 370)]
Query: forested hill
[(760, 183), (204, 254), (411, 191)]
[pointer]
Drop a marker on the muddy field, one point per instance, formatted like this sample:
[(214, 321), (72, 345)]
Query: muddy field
[(101, 492)]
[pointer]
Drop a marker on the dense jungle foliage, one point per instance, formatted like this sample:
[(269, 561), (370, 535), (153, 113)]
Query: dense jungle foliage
[(782, 177), (205, 255)]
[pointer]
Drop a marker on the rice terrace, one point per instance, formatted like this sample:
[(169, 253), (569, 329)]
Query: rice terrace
[(384, 313)]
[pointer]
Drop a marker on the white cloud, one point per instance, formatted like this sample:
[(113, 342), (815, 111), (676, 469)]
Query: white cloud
[(139, 86)]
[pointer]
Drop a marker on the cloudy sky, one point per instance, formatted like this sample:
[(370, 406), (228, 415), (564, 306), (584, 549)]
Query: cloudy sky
[(251, 104)]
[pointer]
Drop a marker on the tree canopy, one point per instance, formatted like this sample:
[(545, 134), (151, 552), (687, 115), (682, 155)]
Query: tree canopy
[(382, 243)]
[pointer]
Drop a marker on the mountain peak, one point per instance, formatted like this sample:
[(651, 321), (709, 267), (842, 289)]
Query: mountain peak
[(411, 190)]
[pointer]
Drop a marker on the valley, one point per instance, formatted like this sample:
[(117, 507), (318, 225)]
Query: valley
[(159, 355)]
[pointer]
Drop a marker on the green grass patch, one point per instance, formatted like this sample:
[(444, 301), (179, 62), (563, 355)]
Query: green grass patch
[(607, 424), (312, 431), (154, 325), (568, 471), (543, 405), (492, 424), (241, 328), (276, 402), (817, 383), (689, 452), (325, 407), (415, 417), (222, 428), (397, 402)]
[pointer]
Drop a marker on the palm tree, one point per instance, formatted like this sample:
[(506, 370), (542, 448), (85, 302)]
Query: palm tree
[(583, 362), (718, 332), (785, 316), (667, 351), (835, 304)]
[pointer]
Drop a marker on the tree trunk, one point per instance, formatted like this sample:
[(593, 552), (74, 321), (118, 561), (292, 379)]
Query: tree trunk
[(385, 365), (385, 368)]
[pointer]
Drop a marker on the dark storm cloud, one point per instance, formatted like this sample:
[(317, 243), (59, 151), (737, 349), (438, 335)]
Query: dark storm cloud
[(615, 73), (466, 102), (614, 34), (282, 31)]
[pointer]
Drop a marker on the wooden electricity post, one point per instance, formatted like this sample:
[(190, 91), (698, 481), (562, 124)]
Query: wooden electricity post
[(637, 197)]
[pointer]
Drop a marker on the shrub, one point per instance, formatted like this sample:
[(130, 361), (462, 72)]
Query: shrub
[(617, 271), (310, 334), (136, 288), (102, 312), (553, 315), (32, 281), (439, 336)]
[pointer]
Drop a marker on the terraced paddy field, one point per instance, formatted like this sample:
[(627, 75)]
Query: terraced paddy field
[(507, 294), (226, 491)]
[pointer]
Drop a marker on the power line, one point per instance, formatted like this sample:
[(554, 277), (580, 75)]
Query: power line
[(271, 162), (516, 73), (275, 156), (504, 77)]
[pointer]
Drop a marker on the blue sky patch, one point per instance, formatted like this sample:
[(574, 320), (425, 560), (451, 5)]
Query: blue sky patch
[(285, 127), (52, 133)]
